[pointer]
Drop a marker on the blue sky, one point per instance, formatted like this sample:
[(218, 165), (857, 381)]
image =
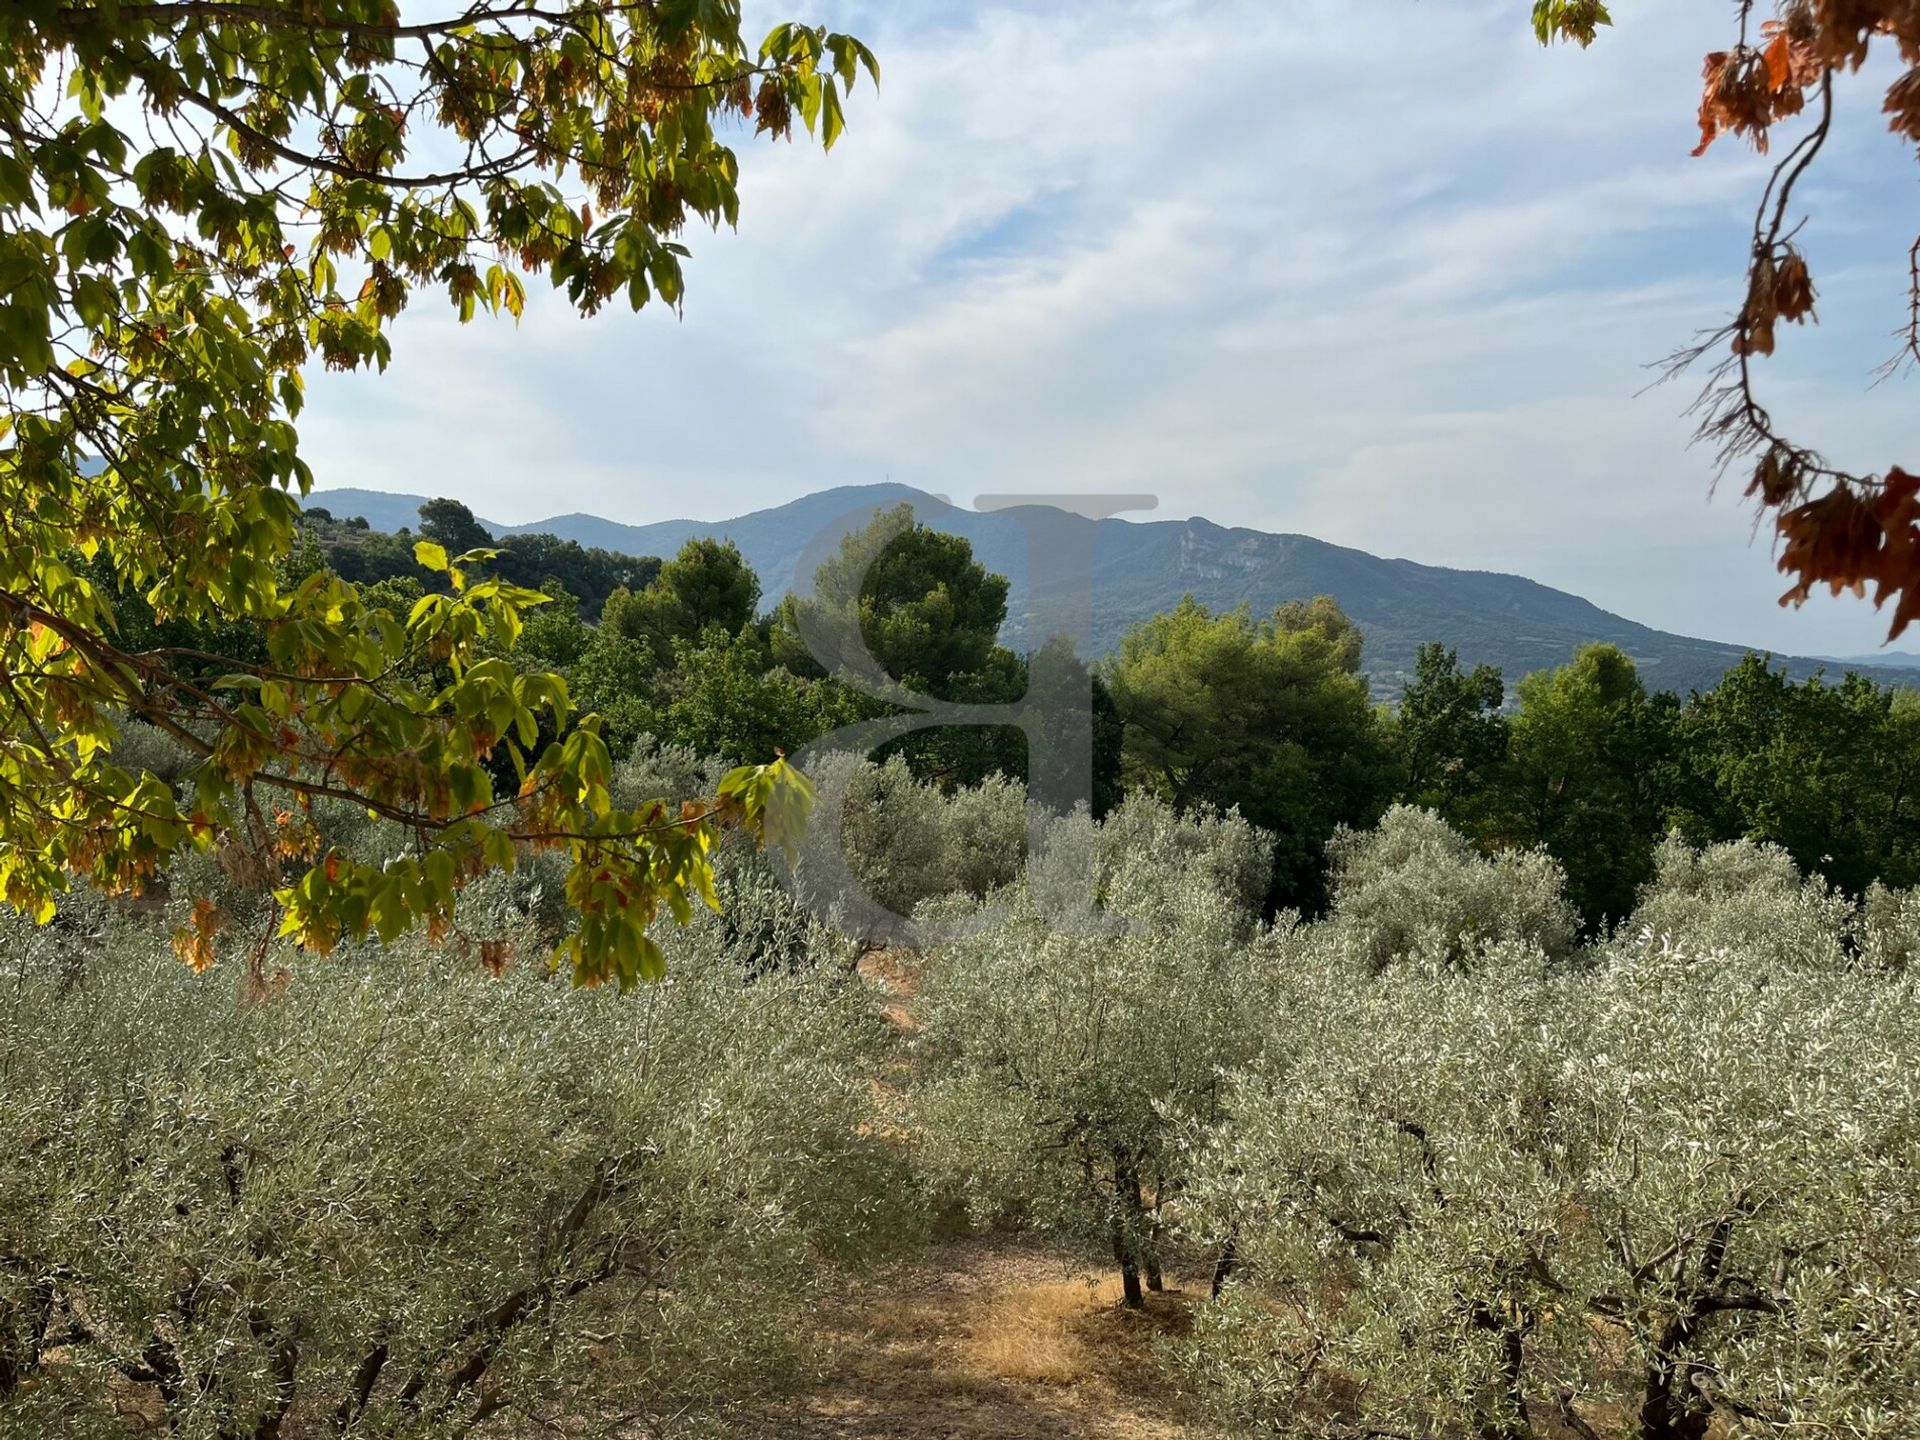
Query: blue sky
[(1380, 271)]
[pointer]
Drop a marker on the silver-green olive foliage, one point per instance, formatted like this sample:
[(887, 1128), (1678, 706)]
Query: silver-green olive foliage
[(383, 1206), (1664, 1189)]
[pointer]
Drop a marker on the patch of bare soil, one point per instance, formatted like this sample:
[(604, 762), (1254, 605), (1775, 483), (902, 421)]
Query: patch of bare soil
[(891, 973), (987, 1340)]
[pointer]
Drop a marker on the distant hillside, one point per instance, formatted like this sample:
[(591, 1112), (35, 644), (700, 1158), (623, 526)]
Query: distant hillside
[(1884, 659), (381, 510), (1141, 568)]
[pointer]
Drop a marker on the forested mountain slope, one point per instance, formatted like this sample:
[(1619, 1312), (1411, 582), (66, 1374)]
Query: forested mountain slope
[(1143, 568)]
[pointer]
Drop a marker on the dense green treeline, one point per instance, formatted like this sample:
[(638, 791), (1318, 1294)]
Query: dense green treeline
[(354, 551), (1269, 715), (1595, 768)]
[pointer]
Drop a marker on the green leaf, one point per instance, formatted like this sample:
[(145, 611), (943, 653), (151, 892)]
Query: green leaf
[(177, 292)]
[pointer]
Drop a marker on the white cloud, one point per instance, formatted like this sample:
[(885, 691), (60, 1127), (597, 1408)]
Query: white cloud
[(1377, 270)]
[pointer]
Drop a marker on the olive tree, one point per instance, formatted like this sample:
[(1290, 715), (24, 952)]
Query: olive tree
[(1890, 928), (1747, 900), (377, 1205), (907, 841), (1671, 1196), (1062, 1063), (1413, 889)]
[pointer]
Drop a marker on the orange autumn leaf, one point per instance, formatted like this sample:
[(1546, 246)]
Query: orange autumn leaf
[(193, 942)]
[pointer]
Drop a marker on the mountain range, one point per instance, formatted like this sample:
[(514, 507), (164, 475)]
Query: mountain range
[(1144, 567)]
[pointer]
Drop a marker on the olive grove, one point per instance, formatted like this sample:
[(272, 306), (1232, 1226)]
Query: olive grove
[(1432, 1165)]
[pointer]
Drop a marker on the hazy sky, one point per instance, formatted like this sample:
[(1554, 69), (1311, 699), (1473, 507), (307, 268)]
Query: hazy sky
[(1380, 271)]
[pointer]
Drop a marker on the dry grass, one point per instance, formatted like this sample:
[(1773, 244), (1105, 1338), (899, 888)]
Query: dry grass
[(985, 1339), (1034, 1332), (891, 973)]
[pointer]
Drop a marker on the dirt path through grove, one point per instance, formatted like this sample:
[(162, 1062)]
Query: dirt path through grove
[(987, 1339)]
